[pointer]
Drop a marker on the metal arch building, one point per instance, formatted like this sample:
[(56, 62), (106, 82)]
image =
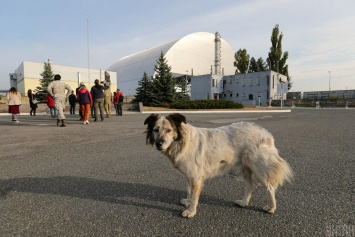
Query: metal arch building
[(196, 54)]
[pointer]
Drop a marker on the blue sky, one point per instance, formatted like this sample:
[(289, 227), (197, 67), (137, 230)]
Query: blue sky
[(319, 34)]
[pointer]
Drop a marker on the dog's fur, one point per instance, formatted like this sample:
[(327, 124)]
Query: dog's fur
[(202, 153)]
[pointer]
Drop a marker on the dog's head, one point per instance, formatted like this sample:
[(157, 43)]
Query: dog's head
[(162, 131)]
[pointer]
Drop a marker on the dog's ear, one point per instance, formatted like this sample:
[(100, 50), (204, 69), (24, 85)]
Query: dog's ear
[(177, 118), (150, 121)]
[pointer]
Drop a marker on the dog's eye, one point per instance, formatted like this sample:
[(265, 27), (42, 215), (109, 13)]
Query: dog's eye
[(156, 130), (168, 130)]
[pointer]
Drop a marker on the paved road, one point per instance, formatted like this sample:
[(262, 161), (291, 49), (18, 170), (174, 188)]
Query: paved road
[(102, 180)]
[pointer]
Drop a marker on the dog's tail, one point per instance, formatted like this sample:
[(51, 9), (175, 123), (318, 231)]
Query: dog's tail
[(275, 169)]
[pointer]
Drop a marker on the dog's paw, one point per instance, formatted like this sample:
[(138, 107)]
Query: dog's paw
[(240, 203), (185, 202), (269, 209), (188, 213)]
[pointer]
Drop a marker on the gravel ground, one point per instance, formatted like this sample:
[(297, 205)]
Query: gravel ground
[(102, 180)]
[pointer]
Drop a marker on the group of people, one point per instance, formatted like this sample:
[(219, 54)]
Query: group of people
[(98, 98), (14, 100)]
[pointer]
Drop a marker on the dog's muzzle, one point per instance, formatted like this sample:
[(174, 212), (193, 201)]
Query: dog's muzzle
[(159, 144)]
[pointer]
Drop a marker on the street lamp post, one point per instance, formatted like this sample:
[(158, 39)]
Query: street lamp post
[(329, 80)]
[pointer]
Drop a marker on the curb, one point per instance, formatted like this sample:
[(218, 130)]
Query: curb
[(215, 111)]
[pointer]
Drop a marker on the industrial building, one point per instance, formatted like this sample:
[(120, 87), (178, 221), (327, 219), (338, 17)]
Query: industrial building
[(335, 94), (28, 75), (196, 54), (257, 88)]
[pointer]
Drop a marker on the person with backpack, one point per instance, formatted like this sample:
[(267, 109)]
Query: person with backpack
[(119, 100), (57, 90), (97, 93), (85, 101)]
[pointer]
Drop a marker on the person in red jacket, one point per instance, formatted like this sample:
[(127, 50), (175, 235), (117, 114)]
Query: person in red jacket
[(119, 102), (51, 105)]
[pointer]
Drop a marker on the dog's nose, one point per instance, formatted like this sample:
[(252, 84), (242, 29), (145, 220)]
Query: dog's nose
[(158, 143)]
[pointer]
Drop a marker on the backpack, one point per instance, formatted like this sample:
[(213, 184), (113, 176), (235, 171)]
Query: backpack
[(120, 99)]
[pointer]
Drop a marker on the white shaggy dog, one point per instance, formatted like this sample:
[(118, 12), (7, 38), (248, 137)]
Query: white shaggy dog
[(202, 153)]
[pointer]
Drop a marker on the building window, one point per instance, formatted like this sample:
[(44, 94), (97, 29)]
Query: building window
[(230, 81), (250, 81), (236, 94), (258, 81), (243, 82), (230, 95), (243, 94), (208, 96), (236, 80), (224, 95)]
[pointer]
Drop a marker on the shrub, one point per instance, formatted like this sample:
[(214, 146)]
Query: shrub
[(205, 104)]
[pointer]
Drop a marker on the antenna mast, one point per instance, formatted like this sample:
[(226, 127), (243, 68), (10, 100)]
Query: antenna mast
[(88, 46)]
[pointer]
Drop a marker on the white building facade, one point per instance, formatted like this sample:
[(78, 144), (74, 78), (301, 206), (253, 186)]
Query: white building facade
[(257, 88), (27, 76), (336, 94)]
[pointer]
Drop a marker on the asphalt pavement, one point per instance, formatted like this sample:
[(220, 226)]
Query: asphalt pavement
[(101, 179)]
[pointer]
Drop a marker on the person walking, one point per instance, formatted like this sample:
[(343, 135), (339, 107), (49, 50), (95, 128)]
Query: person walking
[(51, 105), (115, 101), (84, 99), (72, 102), (57, 89), (97, 93), (108, 101), (76, 93), (119, 98), (33, 102), (14, 101)]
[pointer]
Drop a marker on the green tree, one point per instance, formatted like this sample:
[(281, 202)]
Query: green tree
[(47, 77), (257, 65), (181, 84), (241, 61), (277, 59), (253, 67), (163, 86), (262, 65), (144, 90)]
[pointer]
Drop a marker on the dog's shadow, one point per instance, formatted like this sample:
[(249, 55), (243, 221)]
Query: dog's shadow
[(132, 194)]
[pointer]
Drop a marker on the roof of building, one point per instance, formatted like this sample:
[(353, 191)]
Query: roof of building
[(191, 54)]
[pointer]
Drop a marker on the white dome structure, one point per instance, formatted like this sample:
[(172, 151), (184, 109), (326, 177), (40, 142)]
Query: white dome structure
[(196, 54)]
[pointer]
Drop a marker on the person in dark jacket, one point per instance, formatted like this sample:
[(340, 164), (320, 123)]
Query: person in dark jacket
[(33, 105), (97, 93), (85, 101), (72, 102)]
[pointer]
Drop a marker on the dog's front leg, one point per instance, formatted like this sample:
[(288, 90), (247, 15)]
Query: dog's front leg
[(186, 202), (196, 188)]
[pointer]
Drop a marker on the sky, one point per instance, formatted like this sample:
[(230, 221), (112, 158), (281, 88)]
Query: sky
[(319, 35)]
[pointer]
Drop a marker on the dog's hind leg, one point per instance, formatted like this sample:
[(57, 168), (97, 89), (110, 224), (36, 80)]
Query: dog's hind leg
[(186, 202), (196, 188), (272, 201), (247, 175)]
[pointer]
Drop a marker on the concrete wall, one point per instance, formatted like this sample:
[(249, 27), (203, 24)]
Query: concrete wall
[(206, 87)]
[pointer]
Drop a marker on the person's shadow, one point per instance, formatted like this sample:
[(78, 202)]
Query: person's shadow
[(144, 195)]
